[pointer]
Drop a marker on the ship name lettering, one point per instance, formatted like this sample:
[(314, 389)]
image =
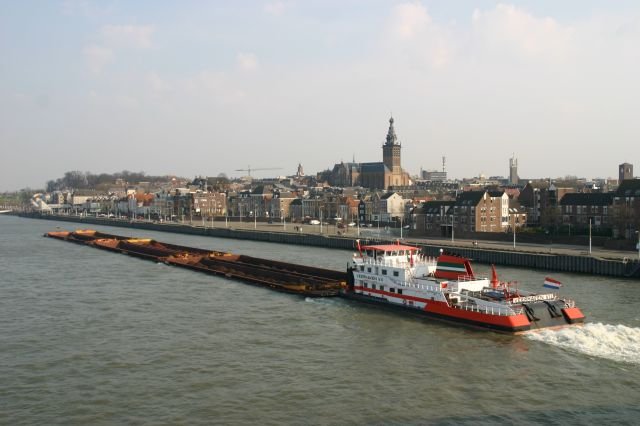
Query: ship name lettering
[(532, 298), (369, 277)]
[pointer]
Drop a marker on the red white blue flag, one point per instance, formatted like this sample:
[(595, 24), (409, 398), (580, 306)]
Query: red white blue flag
[(551, 283)]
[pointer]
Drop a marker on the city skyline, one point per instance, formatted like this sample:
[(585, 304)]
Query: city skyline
[(202, 89)]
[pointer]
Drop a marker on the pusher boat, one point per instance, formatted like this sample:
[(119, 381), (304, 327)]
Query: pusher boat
[(446, 288)]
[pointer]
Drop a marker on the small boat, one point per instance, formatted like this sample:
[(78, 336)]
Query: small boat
[(446, 288)]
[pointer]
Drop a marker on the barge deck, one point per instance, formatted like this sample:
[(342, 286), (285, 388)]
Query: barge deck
[(280, 276)]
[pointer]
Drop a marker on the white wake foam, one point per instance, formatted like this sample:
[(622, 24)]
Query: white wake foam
[(614, 342)]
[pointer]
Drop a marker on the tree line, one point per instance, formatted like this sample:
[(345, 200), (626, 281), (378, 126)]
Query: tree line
[(87, 180)]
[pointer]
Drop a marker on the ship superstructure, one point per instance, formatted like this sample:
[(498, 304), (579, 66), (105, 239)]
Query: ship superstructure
[(446, 288)]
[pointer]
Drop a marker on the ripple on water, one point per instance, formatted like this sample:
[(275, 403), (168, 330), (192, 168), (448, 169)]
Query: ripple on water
[(89, 337)]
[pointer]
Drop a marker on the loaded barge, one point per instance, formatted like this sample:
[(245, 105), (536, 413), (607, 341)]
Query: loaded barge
[(393, 275), (285, 277)]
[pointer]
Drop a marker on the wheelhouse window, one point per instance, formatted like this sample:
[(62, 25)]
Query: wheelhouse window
[(368, 269), (396, 273), (362, 268), (392, 290), (384, 272)]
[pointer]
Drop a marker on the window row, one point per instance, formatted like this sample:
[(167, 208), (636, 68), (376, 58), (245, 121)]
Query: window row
[(382, 288), (384, 271)]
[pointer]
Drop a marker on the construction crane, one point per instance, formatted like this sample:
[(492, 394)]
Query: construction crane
[(249, 169)]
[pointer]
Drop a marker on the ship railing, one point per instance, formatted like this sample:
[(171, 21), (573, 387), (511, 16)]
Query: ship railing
[(466, 278), (399, 262), (469, 304), (435, 288)]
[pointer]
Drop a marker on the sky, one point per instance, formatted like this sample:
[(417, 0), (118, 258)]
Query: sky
[(207, 87)]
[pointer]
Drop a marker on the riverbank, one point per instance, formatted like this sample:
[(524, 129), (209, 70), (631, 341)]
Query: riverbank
[(562, 260)]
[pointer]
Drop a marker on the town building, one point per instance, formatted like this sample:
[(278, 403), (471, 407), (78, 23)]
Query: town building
[(431, 217), (625, 171), (583, 209), (387, 207), (210, 204), (540, 199), (434, 175), (626, 205), (280, 204), (470, 212)]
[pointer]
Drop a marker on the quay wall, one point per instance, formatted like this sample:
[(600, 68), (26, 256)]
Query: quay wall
[(526, 259)]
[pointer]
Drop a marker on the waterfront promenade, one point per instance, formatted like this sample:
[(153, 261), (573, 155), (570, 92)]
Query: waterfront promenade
[(394, 233), (561, 258)]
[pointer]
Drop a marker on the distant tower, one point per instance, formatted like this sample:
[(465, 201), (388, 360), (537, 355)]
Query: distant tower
[(391, 150), (444, 164), (625, 171), (513, 170), (300, 172)]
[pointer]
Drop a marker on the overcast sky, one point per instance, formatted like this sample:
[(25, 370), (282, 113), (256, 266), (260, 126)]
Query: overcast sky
[(206, 87)]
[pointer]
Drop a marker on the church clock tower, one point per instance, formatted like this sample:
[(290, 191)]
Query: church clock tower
[(391, 150)]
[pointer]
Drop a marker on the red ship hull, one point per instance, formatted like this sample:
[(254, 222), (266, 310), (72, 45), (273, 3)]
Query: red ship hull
[(502, 323)]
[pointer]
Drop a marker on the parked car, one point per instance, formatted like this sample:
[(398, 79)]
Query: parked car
[(351, 224), (314, 222)]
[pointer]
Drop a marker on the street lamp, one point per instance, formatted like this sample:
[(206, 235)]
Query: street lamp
[(452, 226), (589, 235), (284, 223)]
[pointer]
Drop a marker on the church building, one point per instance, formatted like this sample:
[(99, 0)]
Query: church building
[(389, 172)]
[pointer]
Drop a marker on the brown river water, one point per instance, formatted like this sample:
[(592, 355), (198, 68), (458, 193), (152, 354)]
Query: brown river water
[(91, 337)]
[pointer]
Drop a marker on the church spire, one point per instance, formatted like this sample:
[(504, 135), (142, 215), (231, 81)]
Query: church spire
[(392, 139)]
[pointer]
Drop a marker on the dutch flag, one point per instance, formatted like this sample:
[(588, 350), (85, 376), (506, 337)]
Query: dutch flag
[(551, 283)]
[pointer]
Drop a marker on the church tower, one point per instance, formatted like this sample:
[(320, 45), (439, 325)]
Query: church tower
[(391, 150), (513, 171)]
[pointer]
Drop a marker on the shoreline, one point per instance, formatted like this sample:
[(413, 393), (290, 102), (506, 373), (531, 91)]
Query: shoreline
[(546, 259)]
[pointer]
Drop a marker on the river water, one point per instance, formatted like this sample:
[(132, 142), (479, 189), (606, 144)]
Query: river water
[(91, 337)]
